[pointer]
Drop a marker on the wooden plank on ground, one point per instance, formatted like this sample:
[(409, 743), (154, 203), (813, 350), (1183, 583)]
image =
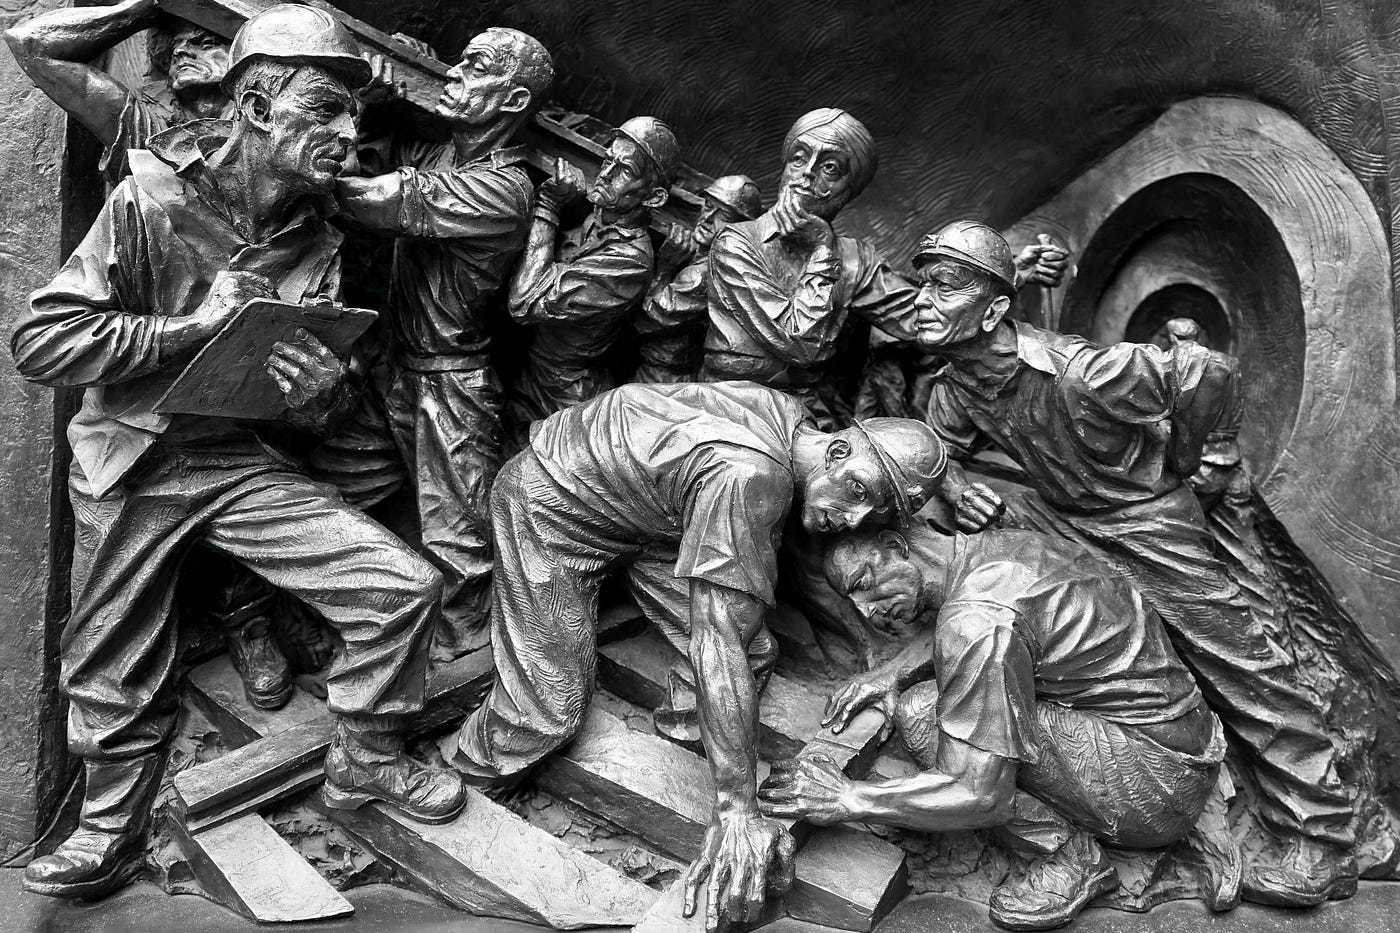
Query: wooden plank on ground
[(664, 794), (490, 861), (665, 915), (282, 750), (638, 669), (247, 867)]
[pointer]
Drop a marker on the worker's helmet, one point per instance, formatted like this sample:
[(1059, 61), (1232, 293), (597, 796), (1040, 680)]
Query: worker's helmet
[(658, 142), (738, 193), (912, 457), (974, 244), (297, 34)]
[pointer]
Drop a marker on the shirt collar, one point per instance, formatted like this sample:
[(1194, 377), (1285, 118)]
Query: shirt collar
[(187, 148), (1033, 350)]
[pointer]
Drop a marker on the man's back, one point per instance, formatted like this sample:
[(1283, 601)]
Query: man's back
[(1092, 642)]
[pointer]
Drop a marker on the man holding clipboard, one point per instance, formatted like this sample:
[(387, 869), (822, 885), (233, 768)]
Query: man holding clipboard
[(220, 226)]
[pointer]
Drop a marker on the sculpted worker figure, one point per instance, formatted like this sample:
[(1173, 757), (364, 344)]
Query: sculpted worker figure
[(1042, 699), (56, 49), (1106, 437), (581, 289), (460, 209), (685, 489), (675, 312), (783, 286), (215, 214)]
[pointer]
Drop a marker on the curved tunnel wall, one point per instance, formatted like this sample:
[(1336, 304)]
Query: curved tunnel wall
[(1331, 465)]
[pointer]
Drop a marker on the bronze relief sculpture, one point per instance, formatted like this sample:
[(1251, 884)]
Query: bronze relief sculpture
[(688, 590)]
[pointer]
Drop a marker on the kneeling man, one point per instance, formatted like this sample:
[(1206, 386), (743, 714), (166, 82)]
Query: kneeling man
[(686, 488), (1045, 701)]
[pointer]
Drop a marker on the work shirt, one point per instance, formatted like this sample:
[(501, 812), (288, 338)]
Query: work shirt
[(1030, 618), (460, 229), (152, 254), (671, 324), (582, 300), (1094, 428), (705, 467), (776, 314), (150, 109)]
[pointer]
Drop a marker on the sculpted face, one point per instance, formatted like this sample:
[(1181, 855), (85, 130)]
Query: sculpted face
[(714, 217), (849, 488), (197, 57), (953, 304), (311, 127), (482, 86), (818, 173), (626, 180), (879, 578)]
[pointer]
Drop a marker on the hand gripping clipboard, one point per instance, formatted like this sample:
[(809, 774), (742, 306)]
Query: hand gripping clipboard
[(228, 378)]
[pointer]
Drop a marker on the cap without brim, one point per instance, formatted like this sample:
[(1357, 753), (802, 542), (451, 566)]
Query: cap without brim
[(297, 35), (835, 126), (912, 457)]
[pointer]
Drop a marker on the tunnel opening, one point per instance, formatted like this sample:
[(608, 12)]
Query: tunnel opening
[(1196, 245)]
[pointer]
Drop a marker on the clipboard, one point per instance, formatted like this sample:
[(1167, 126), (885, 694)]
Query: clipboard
[(228, 378)]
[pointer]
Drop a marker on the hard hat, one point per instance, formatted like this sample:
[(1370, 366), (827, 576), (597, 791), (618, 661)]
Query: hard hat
[(302, 35), (974, 244), (657, 141), (738, 193), (912, 457)]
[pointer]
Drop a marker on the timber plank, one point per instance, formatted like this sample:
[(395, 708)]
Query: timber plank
[(247, 867), (490, 861)]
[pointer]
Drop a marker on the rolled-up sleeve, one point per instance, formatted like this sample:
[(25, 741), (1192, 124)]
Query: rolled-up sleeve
[(602, 282), (91, 325), (797, 327), (986, 681), (884, 297), (478, 203)]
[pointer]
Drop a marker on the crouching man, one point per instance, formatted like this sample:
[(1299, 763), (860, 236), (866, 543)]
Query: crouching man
[(685, 489), (215, 214), (1042, 699)]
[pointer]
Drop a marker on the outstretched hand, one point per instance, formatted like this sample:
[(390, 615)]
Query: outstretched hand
[(743, 859), (811, 788), (876, 689)]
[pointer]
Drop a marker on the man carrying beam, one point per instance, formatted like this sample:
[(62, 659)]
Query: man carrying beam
[(580, 289), (460, 210), (1044, 702), (685, 489)]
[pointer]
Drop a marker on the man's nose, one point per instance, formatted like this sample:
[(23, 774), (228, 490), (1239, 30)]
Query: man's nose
[(809, 167), (924, 300), (344, 126), (856, 515)]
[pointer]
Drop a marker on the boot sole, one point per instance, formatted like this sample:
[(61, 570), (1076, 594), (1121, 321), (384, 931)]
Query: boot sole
[(1339, 890), (116, 879), (338, 798), (1102, 883)]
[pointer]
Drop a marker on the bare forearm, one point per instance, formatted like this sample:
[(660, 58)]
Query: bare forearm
[(79, 34), (929, 801), (535, 261), (727, 697)]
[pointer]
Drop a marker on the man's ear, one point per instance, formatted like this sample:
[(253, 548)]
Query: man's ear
[(894, 541), (995, 312), (518, 100), (838, 449), (256, 108), (657, 197)]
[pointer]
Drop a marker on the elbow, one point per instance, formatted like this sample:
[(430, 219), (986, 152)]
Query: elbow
[(23, 42)]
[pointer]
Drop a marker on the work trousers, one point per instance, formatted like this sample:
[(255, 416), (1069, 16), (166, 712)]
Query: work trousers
[(441, 433), (119, 647), (1164, 548), (551, 558)]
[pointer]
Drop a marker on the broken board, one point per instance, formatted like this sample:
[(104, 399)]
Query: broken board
[(247, 867)]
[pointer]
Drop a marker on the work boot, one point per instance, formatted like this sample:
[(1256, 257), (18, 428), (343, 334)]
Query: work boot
[(1213, 851), (1051, 891), (108, 848), (678, 719), (365, 765), (267, 680), (1307, 873)]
